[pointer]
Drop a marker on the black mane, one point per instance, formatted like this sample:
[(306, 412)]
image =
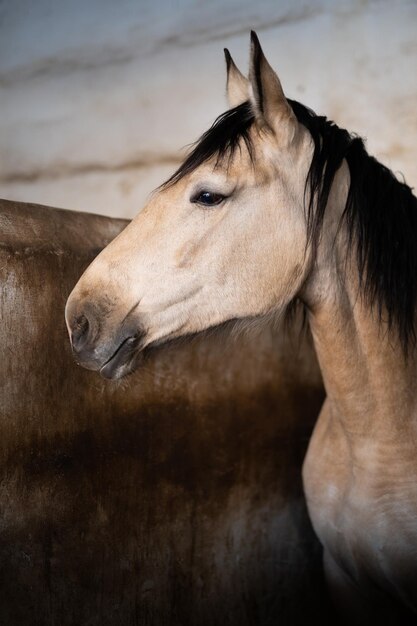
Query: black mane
[(380, 212)]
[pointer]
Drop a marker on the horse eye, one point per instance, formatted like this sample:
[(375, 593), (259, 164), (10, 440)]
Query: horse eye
[(208, 198)]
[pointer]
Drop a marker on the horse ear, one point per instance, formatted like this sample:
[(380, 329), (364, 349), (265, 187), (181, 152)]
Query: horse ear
[(237, 86), (269, 103)]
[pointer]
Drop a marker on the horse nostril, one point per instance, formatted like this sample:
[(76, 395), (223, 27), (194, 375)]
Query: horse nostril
[(79, 332)]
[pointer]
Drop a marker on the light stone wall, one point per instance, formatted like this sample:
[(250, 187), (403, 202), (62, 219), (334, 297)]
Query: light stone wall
[(98, 98)]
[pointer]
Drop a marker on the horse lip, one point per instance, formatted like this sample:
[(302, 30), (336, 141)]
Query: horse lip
[(118, 364)]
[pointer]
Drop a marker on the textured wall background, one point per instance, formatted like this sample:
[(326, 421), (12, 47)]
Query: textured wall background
[(98, 98)]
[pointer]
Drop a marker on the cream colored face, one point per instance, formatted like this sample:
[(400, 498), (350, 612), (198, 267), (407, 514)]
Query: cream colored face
[(183, 265)]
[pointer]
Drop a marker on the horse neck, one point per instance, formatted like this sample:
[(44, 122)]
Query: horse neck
[(369, 383)]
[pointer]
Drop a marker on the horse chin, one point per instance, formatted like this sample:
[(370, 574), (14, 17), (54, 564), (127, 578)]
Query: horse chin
[(125, 360), (115, 369), (130, 356)]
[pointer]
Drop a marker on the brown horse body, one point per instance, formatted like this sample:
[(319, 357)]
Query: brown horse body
[(172, 499)]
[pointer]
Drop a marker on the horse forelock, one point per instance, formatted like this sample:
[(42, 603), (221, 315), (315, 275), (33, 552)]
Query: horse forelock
[(220, 141)]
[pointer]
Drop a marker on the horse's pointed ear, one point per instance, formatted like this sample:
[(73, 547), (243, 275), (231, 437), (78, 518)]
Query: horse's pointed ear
[(269, 103), (237, 86)]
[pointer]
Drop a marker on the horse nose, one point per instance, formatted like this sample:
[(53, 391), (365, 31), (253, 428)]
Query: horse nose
[(80, 332), (83, 324)]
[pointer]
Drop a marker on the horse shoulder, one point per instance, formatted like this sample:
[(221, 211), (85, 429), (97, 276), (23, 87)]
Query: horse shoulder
[(364, 513)]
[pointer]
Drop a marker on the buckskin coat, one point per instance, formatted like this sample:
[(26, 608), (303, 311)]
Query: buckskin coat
[(173, 498)]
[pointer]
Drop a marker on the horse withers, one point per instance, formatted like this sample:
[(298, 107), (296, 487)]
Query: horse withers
[(276, 205)]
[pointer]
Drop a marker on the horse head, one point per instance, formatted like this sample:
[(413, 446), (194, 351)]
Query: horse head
[(224, 238)]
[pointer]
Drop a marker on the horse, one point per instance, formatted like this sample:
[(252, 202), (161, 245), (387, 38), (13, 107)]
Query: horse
[(276, 206)]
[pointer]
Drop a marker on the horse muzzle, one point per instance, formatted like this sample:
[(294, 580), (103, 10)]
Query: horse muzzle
[(96, 346)]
